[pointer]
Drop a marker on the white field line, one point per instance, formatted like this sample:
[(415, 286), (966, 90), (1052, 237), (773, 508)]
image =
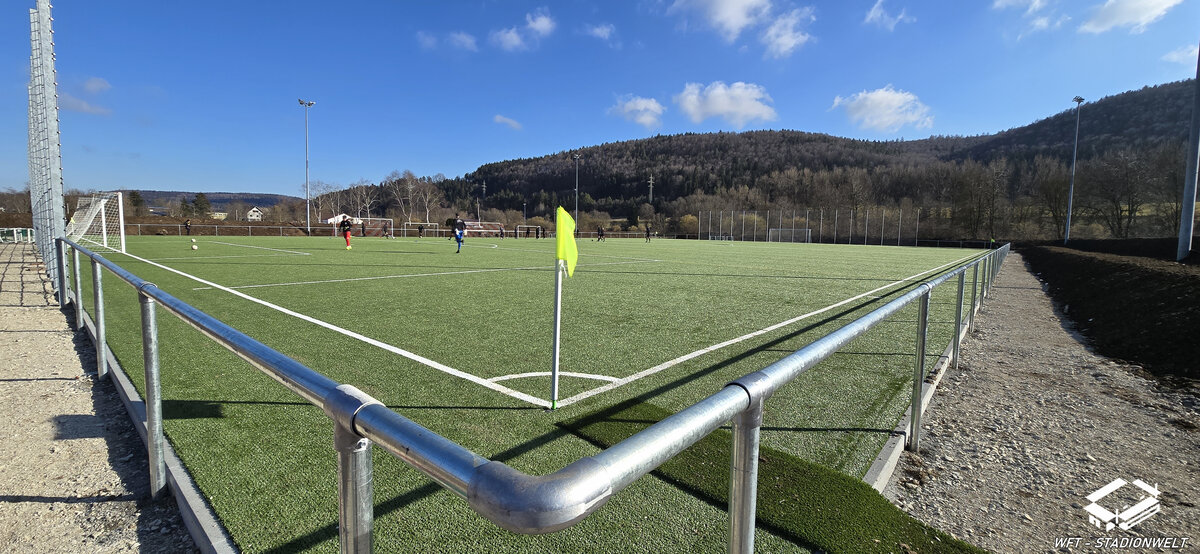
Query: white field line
[(260, 247), (702, 351), (551, 251), (414, 357), (222, 257), (548, 374), (406, 275)]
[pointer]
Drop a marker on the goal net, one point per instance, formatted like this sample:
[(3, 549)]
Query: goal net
[(414, 229), (376, 227), (99, 221), (789, 235), (528, 231)]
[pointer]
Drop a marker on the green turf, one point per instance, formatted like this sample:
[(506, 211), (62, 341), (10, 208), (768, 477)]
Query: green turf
[(811, 505), (264, 456)]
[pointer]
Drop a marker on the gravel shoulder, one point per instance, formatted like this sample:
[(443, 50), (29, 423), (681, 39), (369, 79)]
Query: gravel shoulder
[(73, 471), (1032, 422)]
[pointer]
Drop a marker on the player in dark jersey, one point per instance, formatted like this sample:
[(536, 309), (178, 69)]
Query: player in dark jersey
[(346, 226)]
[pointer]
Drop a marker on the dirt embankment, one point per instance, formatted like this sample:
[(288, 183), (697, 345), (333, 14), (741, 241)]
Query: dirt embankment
[(1128, 299)]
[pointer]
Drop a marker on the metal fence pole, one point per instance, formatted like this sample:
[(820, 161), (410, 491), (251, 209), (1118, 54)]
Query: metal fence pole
[(914, 422), (743, 479), (61, 255), (77, 281), (154, 428), (974, 294), (98, 295), (958, 311), (355, 490)]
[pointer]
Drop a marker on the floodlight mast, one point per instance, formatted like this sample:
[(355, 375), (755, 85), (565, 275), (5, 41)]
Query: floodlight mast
[(1071, 190), (306, 104), (576, 156)]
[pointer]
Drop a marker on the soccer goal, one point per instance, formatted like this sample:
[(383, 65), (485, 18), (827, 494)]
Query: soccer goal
[(376, 227), (789, 235), (412, 228), (99, 221), (528, 231)]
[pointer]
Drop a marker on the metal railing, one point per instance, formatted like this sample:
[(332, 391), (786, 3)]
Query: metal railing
[(16, 234), (511, 499)]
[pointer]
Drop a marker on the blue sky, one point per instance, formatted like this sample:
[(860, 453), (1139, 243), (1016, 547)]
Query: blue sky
[(202, 96)]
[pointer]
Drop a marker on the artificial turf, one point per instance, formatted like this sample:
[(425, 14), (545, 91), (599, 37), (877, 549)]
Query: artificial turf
[(264, 456)]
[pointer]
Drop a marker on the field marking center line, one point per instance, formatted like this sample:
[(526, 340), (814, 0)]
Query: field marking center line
[(671, 363), (380, 344), (260, 247)]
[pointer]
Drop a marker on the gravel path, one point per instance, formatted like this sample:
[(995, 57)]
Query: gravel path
[(1032, 423), (73, 471)]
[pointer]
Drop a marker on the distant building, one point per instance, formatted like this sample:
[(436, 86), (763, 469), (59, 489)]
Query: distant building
[(219, 216), (255, 214)]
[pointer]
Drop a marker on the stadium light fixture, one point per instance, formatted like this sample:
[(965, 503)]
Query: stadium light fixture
[(306, 104), (576, 156), (1071, 190)]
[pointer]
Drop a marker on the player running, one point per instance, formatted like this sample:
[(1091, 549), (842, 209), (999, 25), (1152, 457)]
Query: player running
[(346, 227), (460, 229)]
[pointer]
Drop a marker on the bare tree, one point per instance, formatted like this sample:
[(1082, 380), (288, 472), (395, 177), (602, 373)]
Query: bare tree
[(1114, 190), (426, 196), (400, 186), (363, 195)]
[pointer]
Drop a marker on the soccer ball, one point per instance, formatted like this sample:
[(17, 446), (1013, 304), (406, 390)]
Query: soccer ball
[(193, 240), (194, 247)]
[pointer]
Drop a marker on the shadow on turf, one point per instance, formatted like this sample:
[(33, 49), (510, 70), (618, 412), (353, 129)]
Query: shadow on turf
[(330, 531)]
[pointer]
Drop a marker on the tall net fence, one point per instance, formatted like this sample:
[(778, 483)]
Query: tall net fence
[(45, 151)]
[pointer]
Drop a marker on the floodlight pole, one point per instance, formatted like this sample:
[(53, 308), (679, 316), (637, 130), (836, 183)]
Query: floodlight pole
[(1071, 190), (576, 156), (307, 200), (1187, 217), (524, 219)]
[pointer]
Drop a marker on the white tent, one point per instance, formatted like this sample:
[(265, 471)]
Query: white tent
[(339, 217)]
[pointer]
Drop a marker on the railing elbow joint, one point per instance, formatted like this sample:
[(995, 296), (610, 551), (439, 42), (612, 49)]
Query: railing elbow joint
[(528, 504), (344, 403), (758, 387)]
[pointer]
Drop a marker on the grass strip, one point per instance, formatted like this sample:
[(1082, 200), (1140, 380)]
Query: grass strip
[(812, 506)]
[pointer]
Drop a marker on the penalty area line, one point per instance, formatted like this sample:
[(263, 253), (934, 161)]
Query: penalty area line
[(671, 363)]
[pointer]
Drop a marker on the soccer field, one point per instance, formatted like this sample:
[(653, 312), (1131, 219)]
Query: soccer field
[(461, 344)]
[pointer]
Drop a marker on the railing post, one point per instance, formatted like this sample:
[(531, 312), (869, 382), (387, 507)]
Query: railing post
[(914, 421), (98, 295), (154, 428), (958, 310), (78, 281), (60, 252), (974, 294), (743, 481), (355, 493)]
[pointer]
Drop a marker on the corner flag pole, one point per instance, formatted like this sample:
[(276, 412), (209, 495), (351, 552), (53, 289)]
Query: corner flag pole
[(558, 281), (566, 253)]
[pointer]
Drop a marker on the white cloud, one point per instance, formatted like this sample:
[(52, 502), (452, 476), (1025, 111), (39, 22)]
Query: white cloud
[(1031, 6), (507, 121), (885, 109), (602, 32), (426, 40), (71, 103), (646, 112), (509, 39), (1183, 54), (782, 37), (96, 85), (540, 23), (728, 17), (463, 41), (738, 104), (880, 17), (1135, 14)]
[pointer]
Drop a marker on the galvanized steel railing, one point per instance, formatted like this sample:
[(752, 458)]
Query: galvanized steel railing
[(514, 500)]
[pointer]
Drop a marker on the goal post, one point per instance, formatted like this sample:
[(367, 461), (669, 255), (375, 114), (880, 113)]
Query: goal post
[(377, 227), (99, 221), (412, 228), (524, 231), (789, 235)]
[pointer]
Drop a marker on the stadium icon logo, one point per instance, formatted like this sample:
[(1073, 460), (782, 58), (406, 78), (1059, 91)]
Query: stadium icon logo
[(1145, 504)]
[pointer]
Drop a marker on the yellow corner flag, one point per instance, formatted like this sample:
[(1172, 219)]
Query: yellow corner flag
[(565, 248)]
